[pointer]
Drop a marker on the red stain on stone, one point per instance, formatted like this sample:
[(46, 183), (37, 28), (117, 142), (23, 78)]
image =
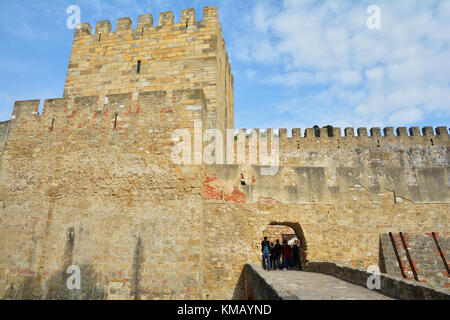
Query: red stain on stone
[(213, 192), (210, 179), (236, 196), (210, 191), (414, 263)]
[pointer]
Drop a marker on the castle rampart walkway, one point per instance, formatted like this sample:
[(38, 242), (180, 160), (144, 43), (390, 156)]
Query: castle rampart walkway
[(300, 285)]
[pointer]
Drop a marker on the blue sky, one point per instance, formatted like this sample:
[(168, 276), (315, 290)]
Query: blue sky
[(295, 63)]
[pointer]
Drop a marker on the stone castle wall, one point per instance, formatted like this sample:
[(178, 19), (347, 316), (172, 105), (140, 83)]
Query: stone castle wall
[(91, 181), (420, 257), (338, 193), (106, 199), (323, 169), (345, 232)]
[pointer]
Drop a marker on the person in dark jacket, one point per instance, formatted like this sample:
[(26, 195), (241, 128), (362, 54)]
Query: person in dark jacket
[(287, 255), (243, 183), (272, 256), (265, 249), (277, 254), (296, 255)]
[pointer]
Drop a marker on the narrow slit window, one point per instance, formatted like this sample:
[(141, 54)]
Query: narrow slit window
[(53, 123), (99, 37), (142, 32), (71, 234), (115, 122), (138, 67)]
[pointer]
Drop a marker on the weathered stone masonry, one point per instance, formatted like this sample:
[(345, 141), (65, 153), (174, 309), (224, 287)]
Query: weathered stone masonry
[(130, 209), (91, 182)]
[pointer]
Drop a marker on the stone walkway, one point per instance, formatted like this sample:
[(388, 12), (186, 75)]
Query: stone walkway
[(316, 286)]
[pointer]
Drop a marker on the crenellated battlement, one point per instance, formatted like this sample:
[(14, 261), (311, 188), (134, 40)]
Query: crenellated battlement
[(117, 112), (145, 22), (336, 133), (249, 143)]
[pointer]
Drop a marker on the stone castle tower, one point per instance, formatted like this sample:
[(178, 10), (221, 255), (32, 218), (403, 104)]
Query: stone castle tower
[(91, 183), (189, 55)]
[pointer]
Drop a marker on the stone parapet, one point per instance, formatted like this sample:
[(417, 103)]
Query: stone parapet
[(392, 286)]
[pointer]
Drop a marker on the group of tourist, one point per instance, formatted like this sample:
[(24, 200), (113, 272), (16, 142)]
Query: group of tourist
[(280, 257)]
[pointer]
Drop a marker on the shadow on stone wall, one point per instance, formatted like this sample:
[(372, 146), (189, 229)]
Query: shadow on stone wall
[(240, 290), (381, 259), (136, 270), (54, 286), (93, 287)]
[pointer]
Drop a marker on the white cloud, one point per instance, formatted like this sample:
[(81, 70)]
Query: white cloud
[(397, 75), (375, 74), (406, 116)]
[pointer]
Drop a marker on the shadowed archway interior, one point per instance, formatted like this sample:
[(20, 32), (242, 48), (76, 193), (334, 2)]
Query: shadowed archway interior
[(301, 237)]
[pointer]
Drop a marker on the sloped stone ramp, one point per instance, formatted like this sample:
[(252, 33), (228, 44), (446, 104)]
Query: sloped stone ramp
[(332, 281), (300, 285)]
